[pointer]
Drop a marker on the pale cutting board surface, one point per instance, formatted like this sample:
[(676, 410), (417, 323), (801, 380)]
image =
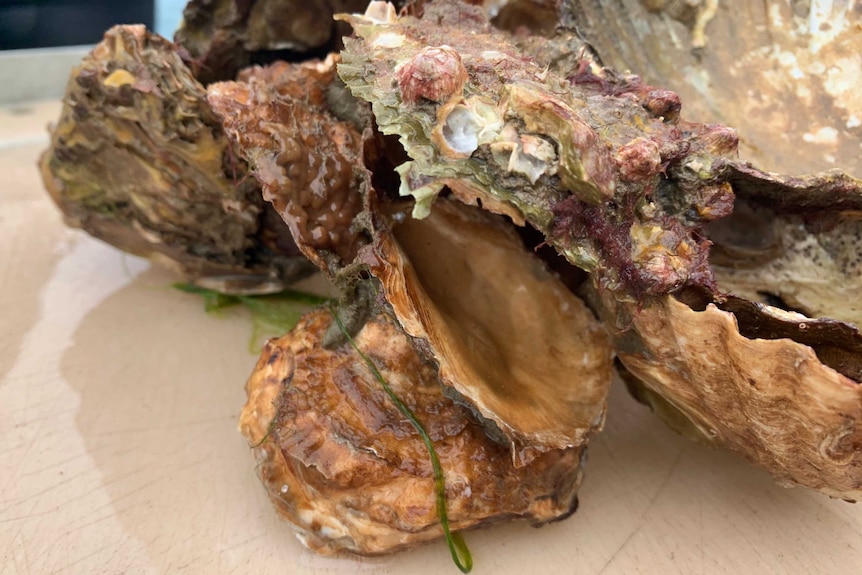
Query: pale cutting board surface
[(119, 452)]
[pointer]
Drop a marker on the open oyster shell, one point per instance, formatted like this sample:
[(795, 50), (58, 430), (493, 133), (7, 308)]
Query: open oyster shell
[(341, 463), (765, 396), (139, 160), (511, 341), (793, 242), (508, 336), (777, 386), (603, 165)]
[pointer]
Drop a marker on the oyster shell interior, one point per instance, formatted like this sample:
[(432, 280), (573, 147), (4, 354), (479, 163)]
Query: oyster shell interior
[(788, 260), (508, 335)]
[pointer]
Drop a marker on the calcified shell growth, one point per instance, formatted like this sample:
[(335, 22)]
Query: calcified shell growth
[(350, 473), (621, 186)]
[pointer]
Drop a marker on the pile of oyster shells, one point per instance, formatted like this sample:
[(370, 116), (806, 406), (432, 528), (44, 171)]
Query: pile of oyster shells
[(509, 224)]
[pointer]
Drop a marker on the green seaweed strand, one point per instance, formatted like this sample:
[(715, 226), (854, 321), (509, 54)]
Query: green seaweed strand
[(457, 546)]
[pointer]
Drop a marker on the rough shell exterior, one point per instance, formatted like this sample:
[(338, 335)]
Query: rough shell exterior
[(139, 160), (771, 400), (309, 162), (434, 73), (624, 193), (343, 465)]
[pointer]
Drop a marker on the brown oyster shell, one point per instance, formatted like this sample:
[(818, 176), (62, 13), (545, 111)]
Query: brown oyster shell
[(139, 160), (342, 464), (507, 334), (309, 162), (504, 330), (773, 401)]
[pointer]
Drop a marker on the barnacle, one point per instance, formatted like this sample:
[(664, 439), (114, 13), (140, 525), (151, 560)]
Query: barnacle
[(435, 73)]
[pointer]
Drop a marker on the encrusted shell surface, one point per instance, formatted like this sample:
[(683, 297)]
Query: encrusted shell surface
[(308, 161), (785, 73), (582, 155)]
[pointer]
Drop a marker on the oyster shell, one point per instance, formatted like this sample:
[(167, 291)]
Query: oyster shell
[(139, 160), (767, 397), (784, 72), (223, 36), (598, 162), (628, 195), (793, 242), (309, 162), (508, 336), (341, 463), (505, 332)]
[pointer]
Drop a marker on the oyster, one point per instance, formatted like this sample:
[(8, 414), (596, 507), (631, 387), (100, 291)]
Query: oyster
[(504, 330), (139, 160), (509, 337), (343, 465), (507, 340), (784, 72), (602, 164), (754, 380), (309, 162), (778, 386)]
